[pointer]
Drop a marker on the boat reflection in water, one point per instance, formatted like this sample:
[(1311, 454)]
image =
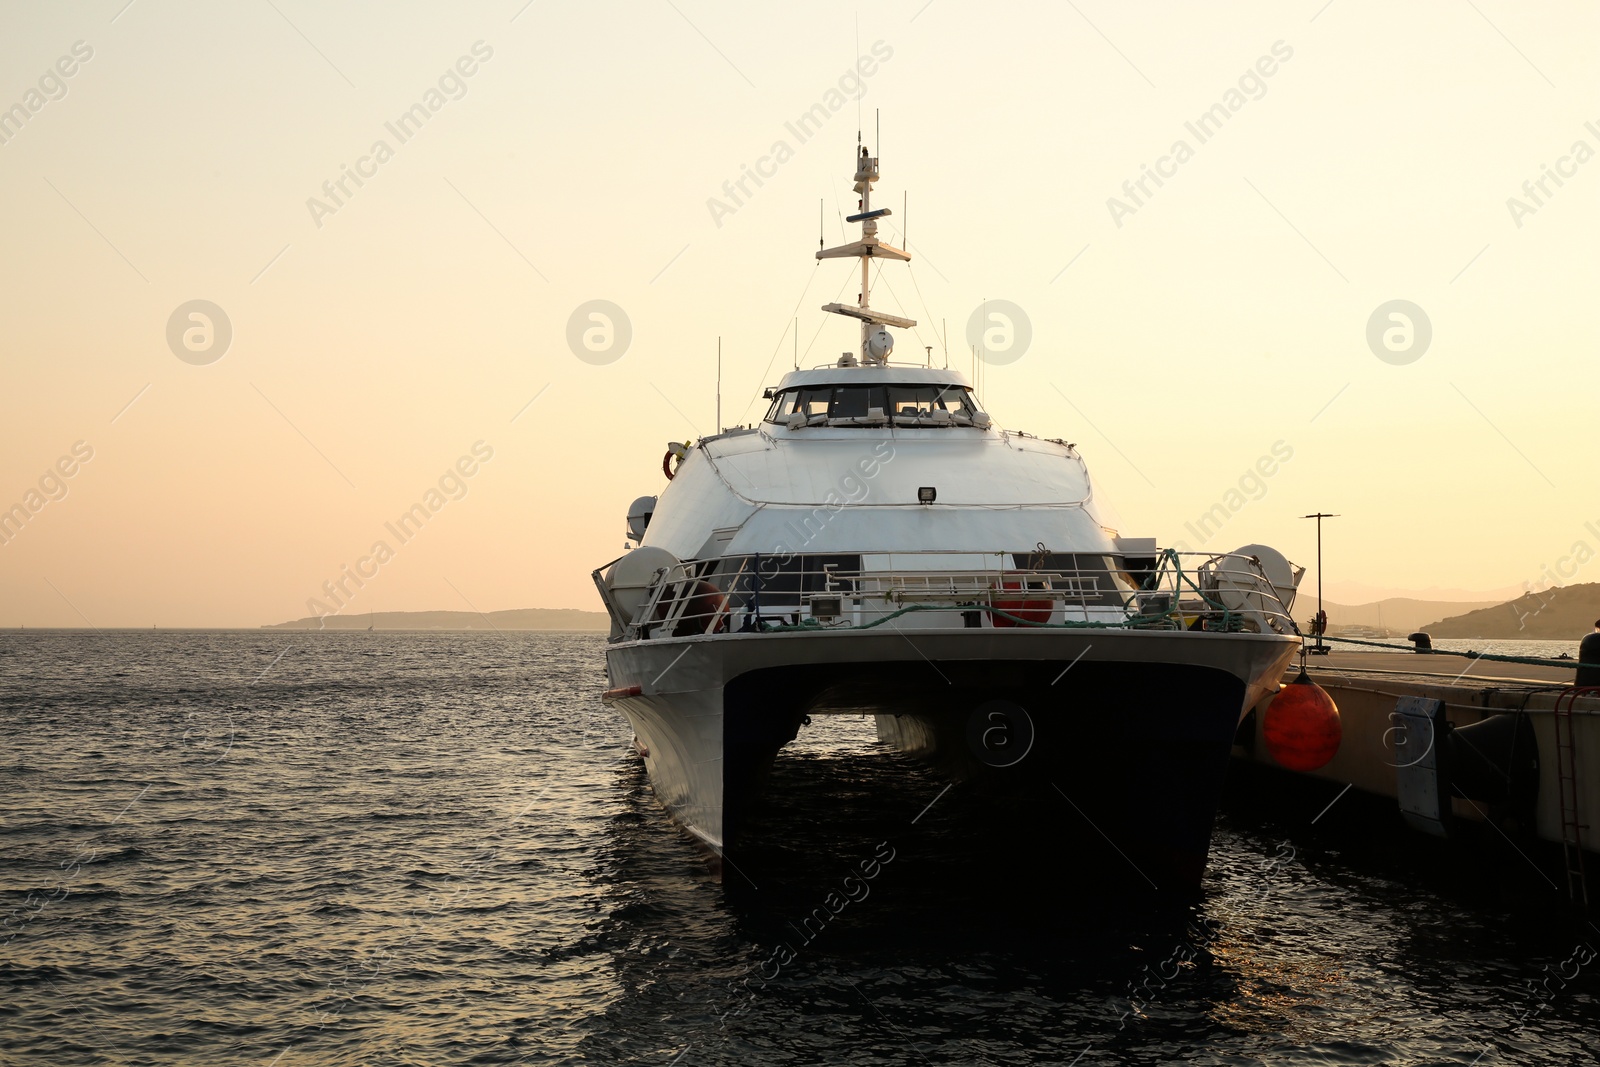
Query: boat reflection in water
[(878, 545)]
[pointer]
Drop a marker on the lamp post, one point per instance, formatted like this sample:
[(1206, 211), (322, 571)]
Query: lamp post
[(1321, 625)]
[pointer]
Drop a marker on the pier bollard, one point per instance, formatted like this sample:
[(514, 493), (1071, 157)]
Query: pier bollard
[(1589, 658), (1421, 642)]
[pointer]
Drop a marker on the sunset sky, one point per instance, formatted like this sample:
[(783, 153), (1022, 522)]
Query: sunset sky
[(382, 332)]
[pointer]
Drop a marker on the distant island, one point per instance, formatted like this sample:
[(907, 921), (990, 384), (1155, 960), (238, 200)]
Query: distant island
[(1561, 613), (515, 619)]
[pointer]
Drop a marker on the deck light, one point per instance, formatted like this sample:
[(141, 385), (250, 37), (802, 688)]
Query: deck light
[(927, 494)]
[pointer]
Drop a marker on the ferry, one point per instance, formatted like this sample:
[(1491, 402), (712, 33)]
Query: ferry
[(879, 544)]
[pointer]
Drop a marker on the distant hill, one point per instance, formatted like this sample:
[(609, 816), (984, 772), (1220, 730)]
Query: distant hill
[(1346, 591), (1564, 613), (1400, 615), (516, 619)]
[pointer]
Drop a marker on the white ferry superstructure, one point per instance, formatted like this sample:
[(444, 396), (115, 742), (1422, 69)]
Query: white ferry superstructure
[(877, 544)]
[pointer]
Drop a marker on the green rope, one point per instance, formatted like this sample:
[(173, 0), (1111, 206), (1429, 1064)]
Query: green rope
[(1135, 622), (1130, 622), (1168, 619), (1532, 661)]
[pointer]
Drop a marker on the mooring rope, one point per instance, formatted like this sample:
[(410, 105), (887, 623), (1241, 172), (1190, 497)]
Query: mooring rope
[(1533, 661), (1145, 621)]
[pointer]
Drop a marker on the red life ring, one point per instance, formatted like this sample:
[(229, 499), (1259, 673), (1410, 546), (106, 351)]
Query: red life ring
[(674, 451), (1035, 611), (706, 612)]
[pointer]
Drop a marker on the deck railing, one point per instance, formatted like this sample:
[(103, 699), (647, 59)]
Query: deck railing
[(775, 593)]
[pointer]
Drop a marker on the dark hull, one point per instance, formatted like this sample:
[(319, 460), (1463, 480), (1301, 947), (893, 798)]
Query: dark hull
[(1122, 763)]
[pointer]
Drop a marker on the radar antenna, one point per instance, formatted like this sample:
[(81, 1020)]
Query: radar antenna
[(876, 343)]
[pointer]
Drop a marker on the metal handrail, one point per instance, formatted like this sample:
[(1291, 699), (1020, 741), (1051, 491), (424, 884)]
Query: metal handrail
[(766, 593)]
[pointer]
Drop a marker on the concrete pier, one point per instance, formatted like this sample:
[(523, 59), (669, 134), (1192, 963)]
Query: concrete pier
[(1388, 751)]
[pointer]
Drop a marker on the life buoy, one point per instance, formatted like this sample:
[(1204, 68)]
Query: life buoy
[(706, 612), (1034, 611), (677, 452)]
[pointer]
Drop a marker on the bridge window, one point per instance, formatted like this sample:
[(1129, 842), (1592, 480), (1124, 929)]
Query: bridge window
[(926, 399), (905, 403), (856, 401)]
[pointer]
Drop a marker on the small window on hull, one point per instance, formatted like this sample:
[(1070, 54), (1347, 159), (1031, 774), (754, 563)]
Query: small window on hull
[(780, 585)]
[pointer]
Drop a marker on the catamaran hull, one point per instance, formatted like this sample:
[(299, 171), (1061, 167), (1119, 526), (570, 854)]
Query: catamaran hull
[(1131, 728)]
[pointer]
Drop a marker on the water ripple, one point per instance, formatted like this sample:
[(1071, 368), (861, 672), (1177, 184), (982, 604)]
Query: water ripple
[(437, 848)]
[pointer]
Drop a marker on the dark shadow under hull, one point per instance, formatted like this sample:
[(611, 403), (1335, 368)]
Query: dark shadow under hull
[(1119, 766)]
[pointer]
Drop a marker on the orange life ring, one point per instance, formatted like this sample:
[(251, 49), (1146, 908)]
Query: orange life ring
[(1035, 611)]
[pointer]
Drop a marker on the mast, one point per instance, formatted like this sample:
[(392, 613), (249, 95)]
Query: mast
[(869, 226), (876, 343)]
